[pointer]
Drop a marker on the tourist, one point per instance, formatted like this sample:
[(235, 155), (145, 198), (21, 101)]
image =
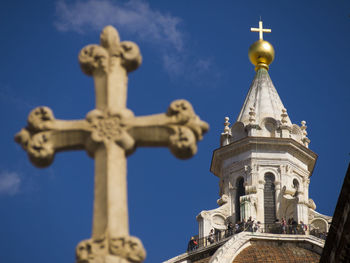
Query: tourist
[(211, 237), (229, 229), (250, 224), (284, 226), (192, 244), (257, 227), (289, 226), (243, 225), (237, 227), (294, 226), (303, 227)]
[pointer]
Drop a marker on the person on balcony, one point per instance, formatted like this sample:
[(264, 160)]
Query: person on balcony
[(303, 227), (294, 226), (257, 227), (211, 237), (229, 231), (250, 223), (284, 226), (192, 244)]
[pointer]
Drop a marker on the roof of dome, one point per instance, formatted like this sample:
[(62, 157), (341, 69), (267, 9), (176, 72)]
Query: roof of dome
[(274, 253)]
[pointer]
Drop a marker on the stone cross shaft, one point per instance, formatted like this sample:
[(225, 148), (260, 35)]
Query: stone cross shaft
[(109, 133), (261, 30)]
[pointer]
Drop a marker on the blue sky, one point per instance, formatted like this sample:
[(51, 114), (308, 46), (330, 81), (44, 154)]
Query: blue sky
[(196, 50)]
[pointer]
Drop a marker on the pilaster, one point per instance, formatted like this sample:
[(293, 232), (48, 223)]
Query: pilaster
[(278, 199)]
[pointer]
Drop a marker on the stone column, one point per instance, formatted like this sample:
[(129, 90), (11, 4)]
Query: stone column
[(260, 213), (233, 207), (278, 199), (259, 183)]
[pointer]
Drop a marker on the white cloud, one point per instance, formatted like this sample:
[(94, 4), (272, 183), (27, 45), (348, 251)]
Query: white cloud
[(9, 183), (173, 64), (160, 30), (134, 16)]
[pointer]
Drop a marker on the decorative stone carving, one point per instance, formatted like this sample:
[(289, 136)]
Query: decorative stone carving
[(227, 126), (311, 204), (303, 128), (286, 169), (109, 133), (106, 126), (248, 206), (127, 247), (288, 190), (238, 131), (296, 133), (255, 168), (215, 218), (95, 59), (247, 169), (226, 136), (223, 200), (91, 251), (179, 129), (270, 125), (305, 139), (250, 189), (252, 114), (94, 250), (284, 116)]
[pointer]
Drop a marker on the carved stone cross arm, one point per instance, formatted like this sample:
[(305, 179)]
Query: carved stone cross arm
[(109, 133), (179, 129), (44, 136)]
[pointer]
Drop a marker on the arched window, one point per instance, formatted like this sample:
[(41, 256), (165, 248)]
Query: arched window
[(239, 192), (269, 199)]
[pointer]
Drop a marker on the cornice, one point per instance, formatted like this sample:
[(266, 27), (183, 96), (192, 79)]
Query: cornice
[(263, 143)]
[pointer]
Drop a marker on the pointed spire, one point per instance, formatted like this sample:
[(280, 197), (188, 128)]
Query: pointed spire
[(263, 97)]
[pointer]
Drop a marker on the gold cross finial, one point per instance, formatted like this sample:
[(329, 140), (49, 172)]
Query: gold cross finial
[(261, 30)]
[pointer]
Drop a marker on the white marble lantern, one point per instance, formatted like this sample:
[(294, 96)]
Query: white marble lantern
[(264, 164)]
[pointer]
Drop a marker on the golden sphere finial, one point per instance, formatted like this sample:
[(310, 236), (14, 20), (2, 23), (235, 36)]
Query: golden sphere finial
[(261, 54)]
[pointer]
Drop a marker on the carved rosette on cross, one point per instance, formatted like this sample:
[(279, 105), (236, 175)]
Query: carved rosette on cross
[(111, 132)]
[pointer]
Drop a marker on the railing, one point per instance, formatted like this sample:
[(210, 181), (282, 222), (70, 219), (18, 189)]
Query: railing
[(276, 228), (318, 233)]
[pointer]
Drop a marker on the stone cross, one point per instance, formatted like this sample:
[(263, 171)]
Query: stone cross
[(109, 133), (261, 30)]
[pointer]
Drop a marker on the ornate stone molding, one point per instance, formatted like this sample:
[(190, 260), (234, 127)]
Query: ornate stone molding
[(226, 253), (126, 247), (99, 59), (223, 200)]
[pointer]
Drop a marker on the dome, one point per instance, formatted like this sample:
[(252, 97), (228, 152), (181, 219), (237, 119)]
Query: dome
[(264, 252)]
